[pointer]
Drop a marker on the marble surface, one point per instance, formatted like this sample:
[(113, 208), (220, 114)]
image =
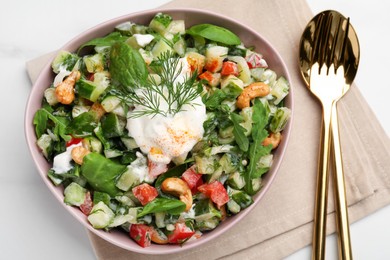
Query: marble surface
[(34, 225)]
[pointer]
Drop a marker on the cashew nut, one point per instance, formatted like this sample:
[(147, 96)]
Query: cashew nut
[(256, 89), (178, 188), (159, 237), (274, 139), (65, 90), (78, 154)]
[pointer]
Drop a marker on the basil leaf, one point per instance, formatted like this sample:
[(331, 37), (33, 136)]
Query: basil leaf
[(239, 132), (108, 40), (127, 65), (171, 206), (257, 150), (101, 173), (214, 33)]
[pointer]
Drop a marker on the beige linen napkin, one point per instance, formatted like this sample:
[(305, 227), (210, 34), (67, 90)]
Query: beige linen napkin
[(282, 222)]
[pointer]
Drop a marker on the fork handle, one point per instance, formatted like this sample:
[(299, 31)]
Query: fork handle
[(320, 210), (340, 199)]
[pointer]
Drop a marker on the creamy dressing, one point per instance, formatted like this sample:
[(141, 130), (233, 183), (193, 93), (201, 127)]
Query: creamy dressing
[(143, 39), (164, 138), (61, 162)]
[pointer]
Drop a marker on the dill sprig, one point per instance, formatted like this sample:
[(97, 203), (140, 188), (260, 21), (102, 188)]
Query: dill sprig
[(150, 93)]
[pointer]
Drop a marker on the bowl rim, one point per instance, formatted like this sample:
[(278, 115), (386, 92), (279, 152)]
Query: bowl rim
[(154, 249)]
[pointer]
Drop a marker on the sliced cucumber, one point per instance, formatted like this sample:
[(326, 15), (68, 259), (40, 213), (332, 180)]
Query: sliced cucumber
[(101, 215), (112, 125), (110, 102), (89, 90), (161, 47), (74, 194)]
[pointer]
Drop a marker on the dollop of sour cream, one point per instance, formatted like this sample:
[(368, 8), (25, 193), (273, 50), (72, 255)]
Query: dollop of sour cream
[(61, 162), (165, 138)]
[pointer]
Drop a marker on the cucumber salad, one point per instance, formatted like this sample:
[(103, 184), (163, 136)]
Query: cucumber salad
[(160, 130)]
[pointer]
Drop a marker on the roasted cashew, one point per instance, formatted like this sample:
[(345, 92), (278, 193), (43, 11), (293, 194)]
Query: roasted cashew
[(274, 139), (158, 237), (256, 89), (178, 188), (78, 154), (65, 90)]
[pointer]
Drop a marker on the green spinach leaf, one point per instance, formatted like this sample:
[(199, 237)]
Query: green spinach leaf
[(171, 206), (214, 33), (82, 125), (41, 122), (101, 173), (127, 65)]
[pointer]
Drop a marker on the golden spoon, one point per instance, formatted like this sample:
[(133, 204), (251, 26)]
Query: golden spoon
[(329, 57)]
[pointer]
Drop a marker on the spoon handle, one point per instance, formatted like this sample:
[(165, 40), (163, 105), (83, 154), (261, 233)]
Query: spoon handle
[(340, 199), (320, 211)]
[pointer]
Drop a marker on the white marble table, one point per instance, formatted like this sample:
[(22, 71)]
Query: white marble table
[(33, 224)]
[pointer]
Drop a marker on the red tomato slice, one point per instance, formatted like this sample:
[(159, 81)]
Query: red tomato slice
[(87, 206), (193, 179), (73, 141), (216, 192), (155, 169), (180, 234), (229, 68), (141, 234), (145, 193)]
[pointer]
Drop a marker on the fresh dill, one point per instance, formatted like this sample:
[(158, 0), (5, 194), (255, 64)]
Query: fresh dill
[(166, 88)]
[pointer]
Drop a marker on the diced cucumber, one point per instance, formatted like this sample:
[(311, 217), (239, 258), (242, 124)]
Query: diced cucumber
[(279, 120), (240, 197), (256, 184), (112, 125), (280, 90), (215, 175), (101, 215), (232, 85), (226, 132), (50, 96), (160, 48), (268, 77), (219, 149), (93, 144), (125, 200), (227, 164), (257, 73), (94, 63), (160, 219), (88, 89), (231, 103), (110, 102), (236, 180), (129, 142), (177, 27), (206, 164), (124, 28), (160, 23), (180, 47), (64, 60), (74, 194), (112, 153), (208, 224), (128, 179), (45, 144), (246, 114), (265, 161), (79, 109), (233, 206), (243, 68), (227, 140), (129, 217)]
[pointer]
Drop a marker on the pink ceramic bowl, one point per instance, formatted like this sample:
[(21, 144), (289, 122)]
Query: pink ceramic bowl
[(191, 17)]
